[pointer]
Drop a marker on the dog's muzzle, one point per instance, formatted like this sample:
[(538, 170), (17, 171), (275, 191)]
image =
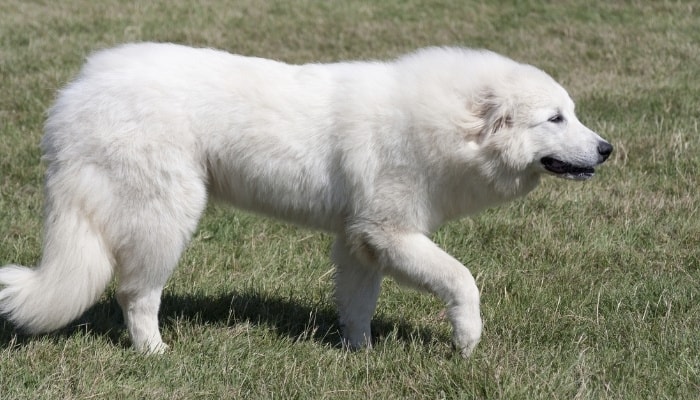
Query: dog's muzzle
[(567, 170)]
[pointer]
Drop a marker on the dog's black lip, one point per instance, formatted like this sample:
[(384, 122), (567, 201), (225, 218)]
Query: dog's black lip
[(559, 167)]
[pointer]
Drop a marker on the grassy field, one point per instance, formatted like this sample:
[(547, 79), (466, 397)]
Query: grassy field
[(589, 290)]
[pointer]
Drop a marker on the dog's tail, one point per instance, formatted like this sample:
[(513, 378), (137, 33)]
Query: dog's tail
[(74, 271)]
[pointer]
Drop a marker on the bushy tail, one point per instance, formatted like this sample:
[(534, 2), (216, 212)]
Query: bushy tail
[(75, 269)]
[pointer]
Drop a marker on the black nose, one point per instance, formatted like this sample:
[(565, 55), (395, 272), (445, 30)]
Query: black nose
[(604, 149)]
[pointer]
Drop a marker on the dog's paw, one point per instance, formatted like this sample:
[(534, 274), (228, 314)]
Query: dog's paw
[(355, 337), (465, 349), (466, 335), (152, 348)]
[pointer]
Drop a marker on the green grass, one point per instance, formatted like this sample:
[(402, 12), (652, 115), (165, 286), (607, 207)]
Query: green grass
[(588, 290)]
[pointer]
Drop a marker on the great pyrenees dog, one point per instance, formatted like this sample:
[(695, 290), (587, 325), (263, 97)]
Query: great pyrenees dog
[(379, 153)]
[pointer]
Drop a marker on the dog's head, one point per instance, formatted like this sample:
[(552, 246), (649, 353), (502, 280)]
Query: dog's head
[(529, 120)]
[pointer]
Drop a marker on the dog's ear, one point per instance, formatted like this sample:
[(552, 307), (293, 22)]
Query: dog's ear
[(494, 111)]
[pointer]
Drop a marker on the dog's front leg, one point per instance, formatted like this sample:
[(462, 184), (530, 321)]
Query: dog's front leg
[(357, 287), (413, 259)]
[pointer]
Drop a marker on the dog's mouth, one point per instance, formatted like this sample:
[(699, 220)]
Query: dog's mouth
[(566, 170)]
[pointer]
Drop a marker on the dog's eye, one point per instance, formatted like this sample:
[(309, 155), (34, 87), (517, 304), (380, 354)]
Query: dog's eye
[(557, 119)]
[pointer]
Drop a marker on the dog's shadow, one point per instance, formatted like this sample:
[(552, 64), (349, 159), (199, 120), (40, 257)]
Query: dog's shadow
[(287, 317)]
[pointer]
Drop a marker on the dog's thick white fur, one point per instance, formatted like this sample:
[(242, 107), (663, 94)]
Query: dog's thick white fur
[(379, 153)]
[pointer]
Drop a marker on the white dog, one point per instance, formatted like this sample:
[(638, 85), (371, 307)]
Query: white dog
[(379, 153)]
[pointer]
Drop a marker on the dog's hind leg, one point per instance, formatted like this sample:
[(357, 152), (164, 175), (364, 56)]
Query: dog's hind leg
[(357, 288), (147, 258), (142, 274)]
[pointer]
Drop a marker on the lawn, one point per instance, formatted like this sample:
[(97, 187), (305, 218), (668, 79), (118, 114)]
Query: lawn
[(589, 290)]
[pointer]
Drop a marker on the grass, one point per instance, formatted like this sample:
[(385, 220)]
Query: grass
[(588, 290)]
